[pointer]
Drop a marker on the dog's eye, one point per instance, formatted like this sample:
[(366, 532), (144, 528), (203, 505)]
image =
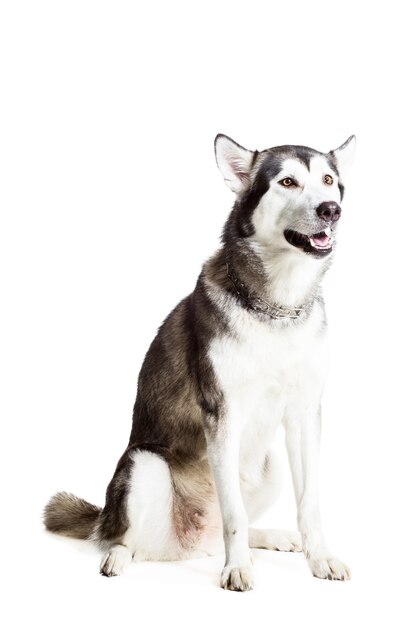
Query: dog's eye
[(327, 179), (288, 182)]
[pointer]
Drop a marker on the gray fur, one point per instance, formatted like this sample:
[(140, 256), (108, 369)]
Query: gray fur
[(66, 514)]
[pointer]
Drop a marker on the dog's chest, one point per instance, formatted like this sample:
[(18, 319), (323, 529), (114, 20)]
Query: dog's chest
[(265, 370)]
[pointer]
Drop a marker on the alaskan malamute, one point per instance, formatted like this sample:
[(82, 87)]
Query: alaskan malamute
[(240, 355)]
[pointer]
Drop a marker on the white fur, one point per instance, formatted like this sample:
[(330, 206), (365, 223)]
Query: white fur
[(151, 534), (115, 560), (282, 540), (234, 162), (344, 156), (261, 368)]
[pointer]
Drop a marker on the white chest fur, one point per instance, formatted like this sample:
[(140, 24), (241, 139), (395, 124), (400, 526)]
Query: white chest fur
[(267, 371)]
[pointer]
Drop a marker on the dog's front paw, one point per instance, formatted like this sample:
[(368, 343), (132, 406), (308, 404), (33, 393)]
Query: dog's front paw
[(237, 578), (328, 567)]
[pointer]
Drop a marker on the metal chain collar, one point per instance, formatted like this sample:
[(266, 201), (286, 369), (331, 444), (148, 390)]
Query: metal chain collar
[(257, 303)]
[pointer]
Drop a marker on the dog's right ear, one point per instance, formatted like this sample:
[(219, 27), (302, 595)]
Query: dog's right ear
[(234, 162), (344, 156)]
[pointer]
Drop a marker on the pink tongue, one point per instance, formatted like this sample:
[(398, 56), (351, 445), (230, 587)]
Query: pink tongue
[(321, 241)]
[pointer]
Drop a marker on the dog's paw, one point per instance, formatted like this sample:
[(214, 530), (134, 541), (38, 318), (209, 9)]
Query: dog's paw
[(282, 540), (329, 568), (115, 560), (237, 578)]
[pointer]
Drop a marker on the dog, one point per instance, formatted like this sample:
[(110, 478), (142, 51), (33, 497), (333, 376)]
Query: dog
[(242, 354)]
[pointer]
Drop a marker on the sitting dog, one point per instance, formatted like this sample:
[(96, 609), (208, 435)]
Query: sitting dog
[(240, 355)]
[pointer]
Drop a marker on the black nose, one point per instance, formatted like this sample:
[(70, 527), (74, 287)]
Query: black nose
[(329, 211)]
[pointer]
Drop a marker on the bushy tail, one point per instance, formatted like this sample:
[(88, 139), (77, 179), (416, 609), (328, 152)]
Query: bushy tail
[(68, 515)]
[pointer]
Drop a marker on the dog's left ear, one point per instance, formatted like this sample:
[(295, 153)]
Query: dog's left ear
[(344, 156), (234, 162)]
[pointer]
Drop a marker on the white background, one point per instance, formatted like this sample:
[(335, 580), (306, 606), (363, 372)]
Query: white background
[(111, 200)]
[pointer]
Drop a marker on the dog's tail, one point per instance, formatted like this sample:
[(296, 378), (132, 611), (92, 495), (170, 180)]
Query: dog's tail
[(68, 515)]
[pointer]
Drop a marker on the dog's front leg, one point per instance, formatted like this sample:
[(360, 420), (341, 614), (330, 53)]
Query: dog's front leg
[(223, 453), (302, 441)]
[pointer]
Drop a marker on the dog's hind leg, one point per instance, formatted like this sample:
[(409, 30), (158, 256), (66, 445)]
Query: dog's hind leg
[(136, 521), (271, 539), (157, 509), (259, 495), (115, 560), (261, 488), (151, 533)]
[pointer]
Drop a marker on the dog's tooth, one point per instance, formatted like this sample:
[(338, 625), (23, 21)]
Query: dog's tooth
[(327, 231)]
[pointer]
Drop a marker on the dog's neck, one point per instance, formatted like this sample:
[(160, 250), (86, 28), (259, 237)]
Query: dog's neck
[(291, 277), (282, 278)]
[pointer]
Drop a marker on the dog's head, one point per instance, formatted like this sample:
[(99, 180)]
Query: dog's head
[(288, 197)]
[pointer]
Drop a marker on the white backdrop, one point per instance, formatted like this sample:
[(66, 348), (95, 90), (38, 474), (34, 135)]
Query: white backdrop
[(111, 200)]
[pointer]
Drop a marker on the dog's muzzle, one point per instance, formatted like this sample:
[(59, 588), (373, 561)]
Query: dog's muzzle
[(318, 244)]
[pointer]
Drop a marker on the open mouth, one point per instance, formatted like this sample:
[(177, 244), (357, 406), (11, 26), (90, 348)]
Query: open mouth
[(319, 244)]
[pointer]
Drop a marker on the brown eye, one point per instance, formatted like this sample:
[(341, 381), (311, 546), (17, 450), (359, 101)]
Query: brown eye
[(288, 182), (327, 179)]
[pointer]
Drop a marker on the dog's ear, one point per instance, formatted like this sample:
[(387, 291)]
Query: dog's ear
[(344, 156), (234, 162)]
